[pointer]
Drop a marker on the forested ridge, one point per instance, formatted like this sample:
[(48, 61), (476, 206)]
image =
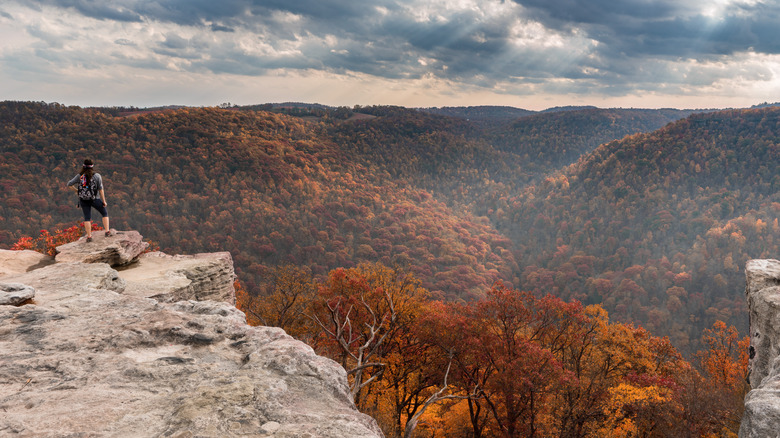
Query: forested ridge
[(647, 226), (657, 227), (552, 232), (470, 165), (268, 188)]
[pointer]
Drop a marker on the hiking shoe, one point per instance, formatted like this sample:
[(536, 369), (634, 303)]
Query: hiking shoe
[(108, 233), (89, 239)]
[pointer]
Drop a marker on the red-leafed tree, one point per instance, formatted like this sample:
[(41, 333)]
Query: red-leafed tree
[(47, 242), (519, 336)]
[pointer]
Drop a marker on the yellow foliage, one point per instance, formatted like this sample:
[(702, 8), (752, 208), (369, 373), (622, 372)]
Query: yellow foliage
[(625, 401)]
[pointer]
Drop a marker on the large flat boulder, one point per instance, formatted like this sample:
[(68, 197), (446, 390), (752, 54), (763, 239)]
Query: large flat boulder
[(119, 249), (89, 359), (170, 278), (18, 262), (762, 404)]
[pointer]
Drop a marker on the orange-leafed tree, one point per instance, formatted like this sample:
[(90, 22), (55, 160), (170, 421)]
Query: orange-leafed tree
[(725, 361), (285, 301), (641, 398), (246, 303), (724, 368), (411, 378), (363, 313), (625, 412), (589, 356)]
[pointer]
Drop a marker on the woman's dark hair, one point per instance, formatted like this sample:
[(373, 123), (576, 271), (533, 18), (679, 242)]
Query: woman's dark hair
[(87, 171)]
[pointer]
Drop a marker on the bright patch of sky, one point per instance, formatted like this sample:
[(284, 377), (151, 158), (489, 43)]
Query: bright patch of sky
[(526, 53)]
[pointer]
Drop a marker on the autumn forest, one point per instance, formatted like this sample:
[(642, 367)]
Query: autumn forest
[(479, 272)]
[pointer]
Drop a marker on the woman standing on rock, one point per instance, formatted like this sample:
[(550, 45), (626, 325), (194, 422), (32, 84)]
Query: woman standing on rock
[(89, 186)]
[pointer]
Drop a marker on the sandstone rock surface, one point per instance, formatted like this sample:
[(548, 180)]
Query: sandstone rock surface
[(92, 357), (171, 278), (761, 418), (121, 248), (18, 262)]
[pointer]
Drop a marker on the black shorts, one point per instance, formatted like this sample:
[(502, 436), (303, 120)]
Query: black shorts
[(88, 204)]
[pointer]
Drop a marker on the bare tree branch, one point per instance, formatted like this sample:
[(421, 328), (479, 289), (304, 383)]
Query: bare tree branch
[(436, 397), (340, 329)]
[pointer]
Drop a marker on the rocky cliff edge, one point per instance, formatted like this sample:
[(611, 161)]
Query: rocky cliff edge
[(103, 340), (761, 418)]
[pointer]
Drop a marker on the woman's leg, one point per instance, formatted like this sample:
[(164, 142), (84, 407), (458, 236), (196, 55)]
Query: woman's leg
[(98, 205), (86, 208)]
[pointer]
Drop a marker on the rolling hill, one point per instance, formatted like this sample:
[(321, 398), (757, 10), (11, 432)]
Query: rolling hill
[(657, 226), (269, 188), (644, 211)]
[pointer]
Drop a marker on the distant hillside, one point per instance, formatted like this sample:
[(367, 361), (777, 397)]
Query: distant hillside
[(657, 226), (467, 164), (480, 113), (226, 177), (267, 187), (766, 105), (557, 109), (598, 205), (550, 140)]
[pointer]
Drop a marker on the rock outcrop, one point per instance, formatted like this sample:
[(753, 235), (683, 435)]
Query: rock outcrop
[(19, 262), (761, 418), (119, 249), (102, 352), (170, 278)]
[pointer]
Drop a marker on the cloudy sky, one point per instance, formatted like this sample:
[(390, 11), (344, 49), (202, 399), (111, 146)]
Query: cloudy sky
[(531, 54)]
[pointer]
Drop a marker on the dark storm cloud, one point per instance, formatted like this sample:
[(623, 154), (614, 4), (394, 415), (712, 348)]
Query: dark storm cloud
[(176, 46), (563, 14), (196, 12), (330, 10), (671, 28), (173, 41), (399, 47), (103, 10), (458, 32), (377, 38), (220, 28), (610, 45)]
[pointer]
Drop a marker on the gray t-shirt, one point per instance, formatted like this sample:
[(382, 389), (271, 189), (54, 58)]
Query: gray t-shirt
[(96, 179)]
